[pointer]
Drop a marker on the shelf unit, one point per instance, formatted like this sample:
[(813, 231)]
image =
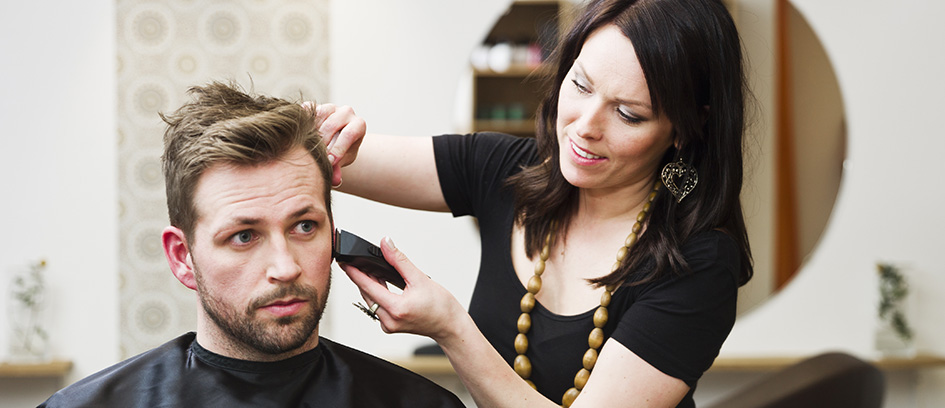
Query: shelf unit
[(440, 365), (51, 369), (506, 100)]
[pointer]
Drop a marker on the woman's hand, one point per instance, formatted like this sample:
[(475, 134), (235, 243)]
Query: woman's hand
[(424, 307), (395, 170), (344, 132)]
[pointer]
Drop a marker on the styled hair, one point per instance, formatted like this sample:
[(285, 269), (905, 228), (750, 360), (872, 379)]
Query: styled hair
[(224, 124), (691, 56)]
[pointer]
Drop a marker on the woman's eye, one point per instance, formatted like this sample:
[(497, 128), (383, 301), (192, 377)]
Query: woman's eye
[(628, 117), (581, 88)]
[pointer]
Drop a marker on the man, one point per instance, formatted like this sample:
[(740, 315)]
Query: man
[(248, 195)]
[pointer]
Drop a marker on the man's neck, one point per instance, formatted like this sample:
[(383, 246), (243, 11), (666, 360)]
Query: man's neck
[(211, 338)]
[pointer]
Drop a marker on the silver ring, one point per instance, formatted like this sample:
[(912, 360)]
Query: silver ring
[(370, 312)]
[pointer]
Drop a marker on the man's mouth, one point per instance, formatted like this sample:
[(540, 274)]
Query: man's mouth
[(285, 307)]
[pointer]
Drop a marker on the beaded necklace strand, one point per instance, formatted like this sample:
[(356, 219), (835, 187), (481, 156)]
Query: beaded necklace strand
[(522, 364)]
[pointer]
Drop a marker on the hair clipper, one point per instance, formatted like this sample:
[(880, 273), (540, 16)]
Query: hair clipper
[(353, 250)]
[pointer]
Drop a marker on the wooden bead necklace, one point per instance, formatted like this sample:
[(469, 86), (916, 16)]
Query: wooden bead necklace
[(522, 364)]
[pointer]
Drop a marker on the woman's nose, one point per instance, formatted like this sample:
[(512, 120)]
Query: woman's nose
[(590, 121)]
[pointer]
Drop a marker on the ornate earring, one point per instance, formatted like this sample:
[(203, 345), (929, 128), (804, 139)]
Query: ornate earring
[(679, 178)]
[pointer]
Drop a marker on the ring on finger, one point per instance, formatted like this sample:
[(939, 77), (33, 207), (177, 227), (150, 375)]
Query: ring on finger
[(370, 312)]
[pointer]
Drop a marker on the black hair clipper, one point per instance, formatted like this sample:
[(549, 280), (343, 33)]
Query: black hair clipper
[(356, 251)]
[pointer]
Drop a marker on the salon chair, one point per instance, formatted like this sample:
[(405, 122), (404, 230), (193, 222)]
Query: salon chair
[(835, 380)]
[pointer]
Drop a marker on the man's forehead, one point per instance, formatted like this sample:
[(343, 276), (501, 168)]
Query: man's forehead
[(285, 187)]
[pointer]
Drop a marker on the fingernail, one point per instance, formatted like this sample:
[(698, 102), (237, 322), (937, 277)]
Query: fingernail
[(390, 242), (331, 158)]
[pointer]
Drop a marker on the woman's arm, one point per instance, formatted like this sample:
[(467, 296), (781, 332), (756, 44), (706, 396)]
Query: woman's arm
[(620, 378), (394, 170), (623, 379)]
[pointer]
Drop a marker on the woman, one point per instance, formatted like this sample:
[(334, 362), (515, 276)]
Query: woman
[(638, 158)]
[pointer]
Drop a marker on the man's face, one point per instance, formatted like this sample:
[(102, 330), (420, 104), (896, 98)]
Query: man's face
[(261, 257)]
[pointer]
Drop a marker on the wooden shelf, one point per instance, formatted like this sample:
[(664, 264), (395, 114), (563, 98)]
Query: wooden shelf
[(439, 365), (741, 364), (427, 365), (55, 368), (532, 23), (515, 127), (540, 2), (906, 363), (514, 71)]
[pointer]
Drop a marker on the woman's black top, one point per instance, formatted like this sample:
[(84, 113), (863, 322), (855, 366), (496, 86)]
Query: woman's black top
[(676, 324)]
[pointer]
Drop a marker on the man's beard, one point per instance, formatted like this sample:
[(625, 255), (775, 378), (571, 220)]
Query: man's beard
[(275, 336)]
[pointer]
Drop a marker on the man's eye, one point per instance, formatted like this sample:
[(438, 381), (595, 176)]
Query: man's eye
[(306, 226), (243, 237)]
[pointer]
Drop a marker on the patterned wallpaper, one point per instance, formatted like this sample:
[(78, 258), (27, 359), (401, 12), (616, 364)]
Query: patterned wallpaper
[(277, 47)]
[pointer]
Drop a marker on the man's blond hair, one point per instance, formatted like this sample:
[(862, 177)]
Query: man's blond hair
[(224, 124)]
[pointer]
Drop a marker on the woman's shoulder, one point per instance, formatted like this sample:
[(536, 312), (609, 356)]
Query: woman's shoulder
[(487, 151), (485, 141), (712, 266), (713, 250), (708, 244), (489, 141)]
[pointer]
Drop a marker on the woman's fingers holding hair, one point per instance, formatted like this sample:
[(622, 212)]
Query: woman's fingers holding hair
[(344, 130)]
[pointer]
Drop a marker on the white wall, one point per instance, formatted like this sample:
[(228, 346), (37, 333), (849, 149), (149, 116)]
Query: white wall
[(57, 176)]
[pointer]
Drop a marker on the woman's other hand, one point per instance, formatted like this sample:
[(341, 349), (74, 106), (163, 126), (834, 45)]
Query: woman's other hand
[(344, 131)]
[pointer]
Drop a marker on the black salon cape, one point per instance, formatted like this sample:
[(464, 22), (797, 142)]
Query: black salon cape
[(181, 373)]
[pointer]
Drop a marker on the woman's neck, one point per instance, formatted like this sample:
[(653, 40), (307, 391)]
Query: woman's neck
[(610, 205)]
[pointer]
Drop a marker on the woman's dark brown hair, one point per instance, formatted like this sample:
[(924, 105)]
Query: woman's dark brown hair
[(691, 56)]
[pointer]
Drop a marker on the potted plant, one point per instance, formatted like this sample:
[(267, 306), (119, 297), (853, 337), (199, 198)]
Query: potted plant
[(29, 338), (894, 336)]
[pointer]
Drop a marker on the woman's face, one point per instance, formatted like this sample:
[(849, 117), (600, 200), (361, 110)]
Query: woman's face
[(608, 135)]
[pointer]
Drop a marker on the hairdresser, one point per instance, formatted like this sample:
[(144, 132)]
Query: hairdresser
[(613, 243)]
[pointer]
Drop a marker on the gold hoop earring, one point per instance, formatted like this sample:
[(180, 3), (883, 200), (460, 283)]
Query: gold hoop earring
[(679, 178)]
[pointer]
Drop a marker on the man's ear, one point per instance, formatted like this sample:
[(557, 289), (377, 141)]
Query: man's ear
[(178, 256)]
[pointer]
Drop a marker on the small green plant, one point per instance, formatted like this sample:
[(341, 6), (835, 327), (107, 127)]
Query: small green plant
[(28, 288), (893, 290), (27, 293)]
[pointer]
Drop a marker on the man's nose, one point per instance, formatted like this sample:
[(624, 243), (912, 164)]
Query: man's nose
[(283, 265)]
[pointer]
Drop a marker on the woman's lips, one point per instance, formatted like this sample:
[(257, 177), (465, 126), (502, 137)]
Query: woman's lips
[(582, 156)]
